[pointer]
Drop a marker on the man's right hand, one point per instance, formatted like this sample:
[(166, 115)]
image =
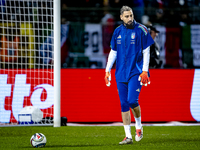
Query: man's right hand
[(108, 78)]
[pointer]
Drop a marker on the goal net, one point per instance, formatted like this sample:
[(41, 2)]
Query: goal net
[(26, 62)]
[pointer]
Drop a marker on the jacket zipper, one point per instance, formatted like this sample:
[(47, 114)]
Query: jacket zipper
[(125, 53)]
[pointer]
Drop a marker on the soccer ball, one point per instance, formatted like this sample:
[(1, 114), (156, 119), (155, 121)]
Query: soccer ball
[(38, 140)]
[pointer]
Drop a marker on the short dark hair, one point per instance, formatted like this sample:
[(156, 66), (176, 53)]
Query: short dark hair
[(125, 8)]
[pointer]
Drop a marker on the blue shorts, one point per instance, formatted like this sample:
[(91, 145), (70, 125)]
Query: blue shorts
[(129, 93)]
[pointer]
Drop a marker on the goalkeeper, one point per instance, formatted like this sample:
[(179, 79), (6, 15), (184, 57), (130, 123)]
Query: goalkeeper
[(130, 46)]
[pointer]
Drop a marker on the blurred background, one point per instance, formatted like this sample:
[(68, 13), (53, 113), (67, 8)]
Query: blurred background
[(87, 27), (91, 24)]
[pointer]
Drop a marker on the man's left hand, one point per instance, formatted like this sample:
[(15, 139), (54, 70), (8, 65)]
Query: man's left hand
[(144, 78)]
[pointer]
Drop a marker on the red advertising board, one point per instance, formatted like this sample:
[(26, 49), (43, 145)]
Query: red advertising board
[(20, 88), (173, 95), (86, 98)]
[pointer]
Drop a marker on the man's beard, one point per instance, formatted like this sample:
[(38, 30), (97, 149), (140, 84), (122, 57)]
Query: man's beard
[(129, 25)]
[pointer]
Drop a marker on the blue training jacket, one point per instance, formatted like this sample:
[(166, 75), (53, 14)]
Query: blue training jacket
[(129, 44)]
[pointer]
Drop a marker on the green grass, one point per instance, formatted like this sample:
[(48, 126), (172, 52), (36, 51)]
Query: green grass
[(102, 138)]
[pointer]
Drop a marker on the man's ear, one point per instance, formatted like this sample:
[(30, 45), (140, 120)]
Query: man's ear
[(121, 17)]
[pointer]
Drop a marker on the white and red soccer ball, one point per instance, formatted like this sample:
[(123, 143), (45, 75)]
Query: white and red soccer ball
[(38, 140)]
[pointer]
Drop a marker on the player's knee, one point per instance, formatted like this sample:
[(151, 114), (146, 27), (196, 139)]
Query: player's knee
[(134, 104), (124, 107)]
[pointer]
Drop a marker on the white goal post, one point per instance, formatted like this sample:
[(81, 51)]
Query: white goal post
[(57, 66), (30, 62)]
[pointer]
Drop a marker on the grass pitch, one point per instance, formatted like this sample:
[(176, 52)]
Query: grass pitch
[(102, 138)]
